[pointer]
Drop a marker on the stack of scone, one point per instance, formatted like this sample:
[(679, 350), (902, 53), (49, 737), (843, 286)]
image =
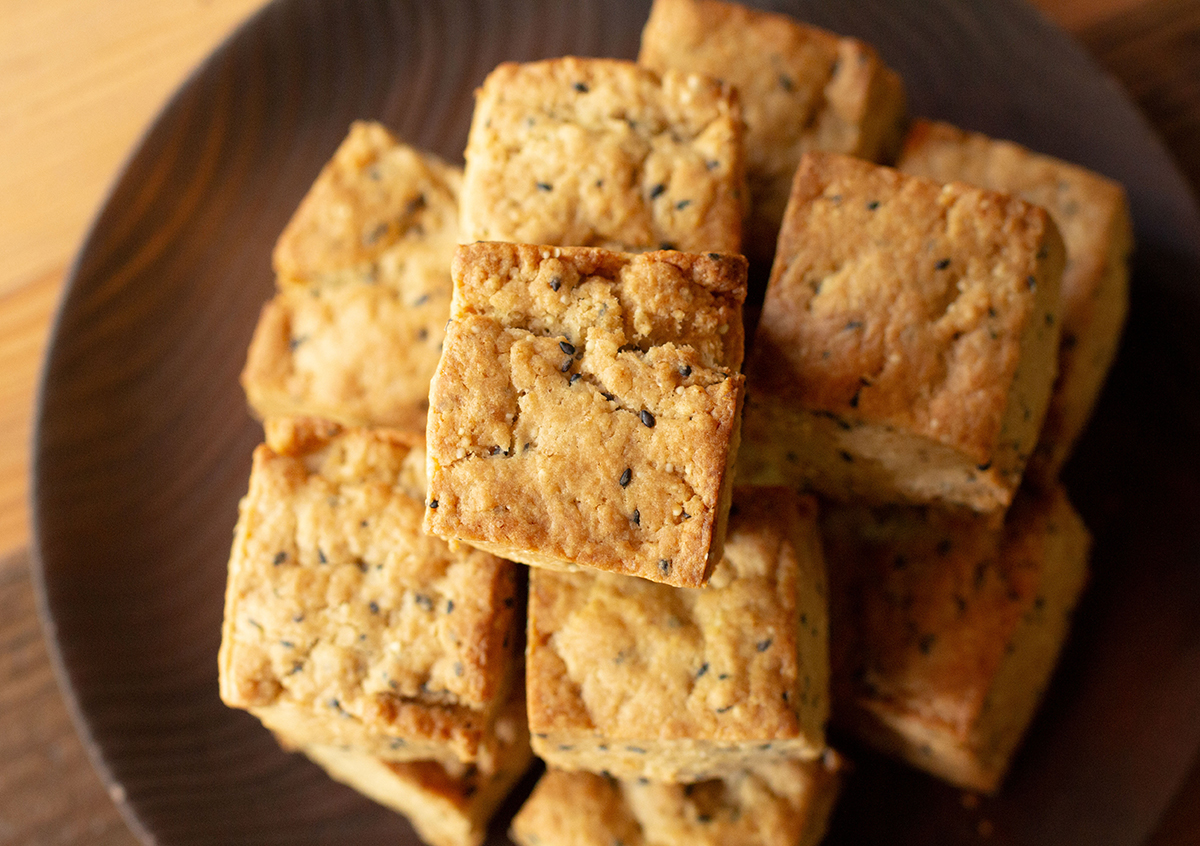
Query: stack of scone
[(538, 359)]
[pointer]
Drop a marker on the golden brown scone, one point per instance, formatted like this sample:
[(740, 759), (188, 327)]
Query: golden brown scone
[(447, 806), (1093, 215), (783, 804), (586, 408), (947, 627), (604, 153), (801, 88), (644, 680), (344, 623), (908, 339), (355, 329)]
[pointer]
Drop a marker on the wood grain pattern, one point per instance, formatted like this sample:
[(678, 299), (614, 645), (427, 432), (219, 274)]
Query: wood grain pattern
[(47, 791)]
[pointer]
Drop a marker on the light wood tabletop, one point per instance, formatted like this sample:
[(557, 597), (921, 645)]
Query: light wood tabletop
[(79, 82)]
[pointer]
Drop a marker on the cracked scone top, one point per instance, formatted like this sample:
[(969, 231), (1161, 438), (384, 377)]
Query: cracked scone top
[(586, 407)]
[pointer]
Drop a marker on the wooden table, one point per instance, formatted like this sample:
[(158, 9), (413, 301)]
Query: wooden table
[(79, 81)]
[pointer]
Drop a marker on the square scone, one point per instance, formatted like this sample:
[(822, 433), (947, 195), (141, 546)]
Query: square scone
[(908, 339), (801, 88), (586, 408), (948, 626), (783, 804), (354, 331), (604, 153), (643, 680), (1092, 213), (344, 623), (446, 805)]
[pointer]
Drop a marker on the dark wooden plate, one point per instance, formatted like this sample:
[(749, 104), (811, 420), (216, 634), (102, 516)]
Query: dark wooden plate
[(143, 440)]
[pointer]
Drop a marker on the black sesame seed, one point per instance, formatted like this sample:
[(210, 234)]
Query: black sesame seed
[(636, 750), (871, 206), (847, 457), (854, 324), (545, 186), (555, 283), (723, 710), (984, 467), (321, 556), (715, 256), (508, 602), (433, 503), (786, 82), (608, 396), (926, 643), (626, 476), (664, 566), (657, 191), (942, 264), (287, 644), (581, 87), (703, 818), (637, 517), (575, 377), (763, 645), (1031, 281), (423, 601), (566, 347), (449, 605), (703, 669), (647, 419), (280, 557), (667, 245), (682, 204), (566, 365), (373, 607), (421, 300)]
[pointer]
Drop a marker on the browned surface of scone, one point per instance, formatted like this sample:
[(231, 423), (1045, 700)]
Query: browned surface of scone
[(344, 623), (646, 680), (947, 625), (801, 88), (605, 153), (586, 408), (447, 805), (1092, 213), (783, 804), (908, 339), (354, 331)]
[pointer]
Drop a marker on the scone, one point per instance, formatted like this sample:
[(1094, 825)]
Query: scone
[(908, 339), (645, 680), (447, 805), (783, 804), (1093, 215), (801, 88), (355, 329), (604, 153), (948, 625), (344, 623), (586, 407)]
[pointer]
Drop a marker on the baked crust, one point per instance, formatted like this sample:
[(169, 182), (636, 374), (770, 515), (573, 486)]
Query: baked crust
[(586, 408), (605, 153), (908, 339)]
